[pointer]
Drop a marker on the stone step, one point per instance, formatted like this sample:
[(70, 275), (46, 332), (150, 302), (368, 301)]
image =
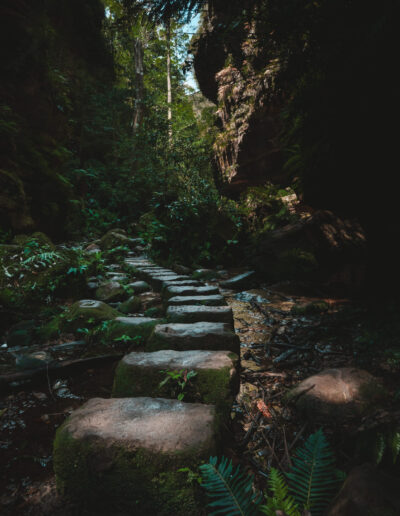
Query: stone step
[(201, 335), (181, 283), (190, 291), (125, 454), (157, 280), (213, 300), (195, 313), (216, 381)]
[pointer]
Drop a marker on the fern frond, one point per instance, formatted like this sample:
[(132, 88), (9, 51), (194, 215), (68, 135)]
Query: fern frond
[(380, 447), (313, 479), (281, 499), (46, 258), (395, 445), (231, 489)]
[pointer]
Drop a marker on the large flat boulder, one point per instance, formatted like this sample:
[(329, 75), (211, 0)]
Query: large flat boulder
[(190, 291), (216, 380), (200, 335), (196, 313), (125, 453), (111, 291), (337, 394), (212, 300), (156, 280)]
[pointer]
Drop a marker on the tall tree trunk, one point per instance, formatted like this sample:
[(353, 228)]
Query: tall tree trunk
[(169, 88), (138, 110)]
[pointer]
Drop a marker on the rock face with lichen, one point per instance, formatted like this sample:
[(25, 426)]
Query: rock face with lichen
[(231, 72)]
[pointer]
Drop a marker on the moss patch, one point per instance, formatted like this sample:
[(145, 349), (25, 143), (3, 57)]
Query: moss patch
[(144, 482)]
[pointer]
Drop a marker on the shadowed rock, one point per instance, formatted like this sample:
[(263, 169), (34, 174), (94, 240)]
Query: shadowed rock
[(194, 313), (139, 287), (367, 491), (111, 291), (200, 335), (127, 453)]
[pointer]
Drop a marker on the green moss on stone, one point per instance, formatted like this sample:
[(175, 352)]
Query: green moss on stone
[(97, 475)]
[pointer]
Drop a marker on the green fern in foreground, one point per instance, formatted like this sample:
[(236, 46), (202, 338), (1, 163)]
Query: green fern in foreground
[(281, 499), (44, 259), (310, 486), (232, 489), (313, 480)]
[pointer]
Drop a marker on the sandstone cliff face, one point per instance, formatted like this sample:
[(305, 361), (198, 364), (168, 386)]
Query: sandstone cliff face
[(232, 72)]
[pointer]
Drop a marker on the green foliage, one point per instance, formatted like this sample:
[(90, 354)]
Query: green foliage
[(280, 499), (310, 485), (180, 380), (231, 489), (313, 479)]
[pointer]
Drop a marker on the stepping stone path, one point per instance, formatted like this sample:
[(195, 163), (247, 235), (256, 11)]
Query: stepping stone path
[(126, 451)]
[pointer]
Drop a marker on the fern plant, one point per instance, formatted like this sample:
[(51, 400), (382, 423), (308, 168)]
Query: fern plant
[(231, 489), (310, 485), (314, 479), (281, 499), (46, 258), (387, 442)]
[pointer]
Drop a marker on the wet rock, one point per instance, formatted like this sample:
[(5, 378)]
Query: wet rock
[(239, 282), (337, 393), (216, 380), (21, 334), (196, 313), (139, 287), (200, 335), (157, 280), (128, 452), (367, 491), (130, 306), (190, 291), (213, 300), (140, 327), (111, 291)]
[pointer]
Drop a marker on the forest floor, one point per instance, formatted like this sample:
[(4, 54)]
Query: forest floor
[(286, 336)]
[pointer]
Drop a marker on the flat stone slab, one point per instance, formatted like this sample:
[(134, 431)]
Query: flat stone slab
[(195, 313), (157, 280), (337, 393), (139, 287), (216, 380), (181, 283), (190, 291), (200, 335), (126, 452), (213, 300)]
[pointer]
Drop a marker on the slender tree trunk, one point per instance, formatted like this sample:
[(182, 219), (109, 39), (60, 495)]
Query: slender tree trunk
[(169, 88), (138, 110)]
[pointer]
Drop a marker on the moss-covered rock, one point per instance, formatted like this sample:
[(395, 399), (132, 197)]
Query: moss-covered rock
[(21, 334), (130, 306), (38, 237), (216, 380), (82, 314), (114, 238), (139, 287), (134, 327), (111, 292), (125, 454)]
